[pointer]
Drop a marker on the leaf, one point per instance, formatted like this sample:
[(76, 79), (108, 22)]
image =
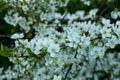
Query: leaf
[(31, 53), (4, 51)]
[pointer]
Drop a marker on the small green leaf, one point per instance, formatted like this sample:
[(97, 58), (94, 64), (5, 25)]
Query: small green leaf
[(116, 9), (31, 53), (2, 48), (4, 51), (17, 61)]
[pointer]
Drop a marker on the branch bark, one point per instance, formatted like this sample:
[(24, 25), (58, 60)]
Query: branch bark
[(70, 67), (4, 36)]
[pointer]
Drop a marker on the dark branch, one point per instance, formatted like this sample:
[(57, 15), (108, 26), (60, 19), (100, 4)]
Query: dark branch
[(101, 12), (70, 67), (59, 28), (31, 31), (4, 36)]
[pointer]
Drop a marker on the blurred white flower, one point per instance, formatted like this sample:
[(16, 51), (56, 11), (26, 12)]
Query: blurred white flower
[(85, 40), (25, 8), (92, 13), (16, 36), (13, 20), (106, 32), (106, 22), (112, 42), (114, 15), (80, 14), (57, 77), (53, 48), (23, 0), (97, 52), (86, 2)]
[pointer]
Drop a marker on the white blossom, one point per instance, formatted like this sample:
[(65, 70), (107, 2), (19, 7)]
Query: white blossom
[(13, 20), (17, 36), (114, 15), (57, 77), (105, 31), (25, 8), (112, 42), (53, 49), (23, 0), (106, 22)]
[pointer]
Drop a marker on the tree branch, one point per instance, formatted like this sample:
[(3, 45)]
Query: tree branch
[(59, 28), (70, 67), (4, 36), (28, 33)]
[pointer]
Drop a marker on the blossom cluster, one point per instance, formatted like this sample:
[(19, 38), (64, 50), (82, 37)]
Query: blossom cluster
[(83, 46)]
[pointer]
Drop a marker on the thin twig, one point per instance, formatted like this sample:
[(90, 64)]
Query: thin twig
[(5, 36), (70, 67), (104, 10), (29, 32), (69, 10), (62, 20), (101, 6)]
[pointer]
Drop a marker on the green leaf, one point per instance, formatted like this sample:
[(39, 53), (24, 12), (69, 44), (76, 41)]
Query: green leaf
[(4, 51), (31, 53)]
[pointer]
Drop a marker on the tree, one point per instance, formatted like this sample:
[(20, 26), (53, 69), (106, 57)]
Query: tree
[(63, 40)]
